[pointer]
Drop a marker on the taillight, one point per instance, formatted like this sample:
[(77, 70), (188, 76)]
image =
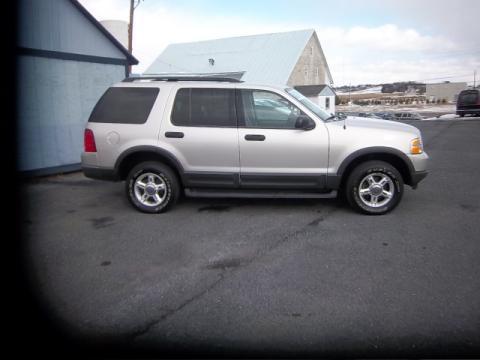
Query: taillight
[(89, 141)]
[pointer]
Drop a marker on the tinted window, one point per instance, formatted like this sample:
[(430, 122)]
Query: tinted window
[(468, 98), (181, 108), (204, 107), (124, 105), (264, 109)]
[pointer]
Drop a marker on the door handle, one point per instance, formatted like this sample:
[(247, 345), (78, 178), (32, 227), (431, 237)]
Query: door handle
[(252, 137), (174, 134)]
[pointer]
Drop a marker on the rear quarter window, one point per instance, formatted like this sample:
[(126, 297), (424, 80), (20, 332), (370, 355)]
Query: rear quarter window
[(124, 105)]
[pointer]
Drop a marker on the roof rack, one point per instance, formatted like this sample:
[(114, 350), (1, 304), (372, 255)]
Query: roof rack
[(182, 78)]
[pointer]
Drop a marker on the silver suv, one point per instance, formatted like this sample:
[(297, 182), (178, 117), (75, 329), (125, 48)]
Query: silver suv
[(218, 137)]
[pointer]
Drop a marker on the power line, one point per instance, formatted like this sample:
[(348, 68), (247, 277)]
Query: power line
[(445, 77), (452, 55)]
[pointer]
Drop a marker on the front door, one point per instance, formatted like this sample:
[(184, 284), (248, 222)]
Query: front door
[(273, 153)]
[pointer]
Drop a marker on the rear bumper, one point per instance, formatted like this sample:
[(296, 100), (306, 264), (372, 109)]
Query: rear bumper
[(100, 173), (468, 111)]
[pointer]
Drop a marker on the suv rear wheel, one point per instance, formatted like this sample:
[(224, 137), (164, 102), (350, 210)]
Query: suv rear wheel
[(152, 187), (374, 188)]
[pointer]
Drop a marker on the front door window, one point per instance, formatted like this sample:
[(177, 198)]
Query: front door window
[(267, 110)]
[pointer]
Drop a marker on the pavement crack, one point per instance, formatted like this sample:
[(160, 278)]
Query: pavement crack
[(151, 324), (222, 276)]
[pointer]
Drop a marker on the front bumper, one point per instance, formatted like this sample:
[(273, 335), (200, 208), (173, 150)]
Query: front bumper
[(418, 168), (416, 177), (418, 162)]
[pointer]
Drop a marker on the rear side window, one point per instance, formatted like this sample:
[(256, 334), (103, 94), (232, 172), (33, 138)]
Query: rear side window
[(204, 108), (124, 105)]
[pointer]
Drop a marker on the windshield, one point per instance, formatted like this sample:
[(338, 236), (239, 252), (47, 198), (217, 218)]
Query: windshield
[(322, 114)]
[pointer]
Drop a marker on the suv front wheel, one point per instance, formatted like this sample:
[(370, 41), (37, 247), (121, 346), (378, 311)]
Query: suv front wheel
[(374, 188), (152, 187)]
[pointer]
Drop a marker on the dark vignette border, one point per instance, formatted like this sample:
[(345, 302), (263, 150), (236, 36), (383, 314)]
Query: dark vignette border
[(32, 327)]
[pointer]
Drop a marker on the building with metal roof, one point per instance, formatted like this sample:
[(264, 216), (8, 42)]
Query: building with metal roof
[(66, 60), (292, 58), (322, 95)]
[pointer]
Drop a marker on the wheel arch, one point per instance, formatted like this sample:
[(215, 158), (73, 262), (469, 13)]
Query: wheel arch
[(129, 158), (392, 156)]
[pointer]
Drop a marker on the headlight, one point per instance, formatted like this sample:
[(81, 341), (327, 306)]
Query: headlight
[(416, 146)]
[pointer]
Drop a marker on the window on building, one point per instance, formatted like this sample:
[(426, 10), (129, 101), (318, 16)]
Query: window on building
[(124, 105), (267, 110), (204, 108), (327, 103)]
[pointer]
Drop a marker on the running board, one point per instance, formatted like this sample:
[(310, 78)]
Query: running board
[(209, 193)]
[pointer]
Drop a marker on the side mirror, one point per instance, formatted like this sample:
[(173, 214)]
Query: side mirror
[(304, 122)]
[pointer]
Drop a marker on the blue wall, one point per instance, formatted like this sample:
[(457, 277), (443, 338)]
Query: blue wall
[(54, 102), (57, 25), (55, 97)]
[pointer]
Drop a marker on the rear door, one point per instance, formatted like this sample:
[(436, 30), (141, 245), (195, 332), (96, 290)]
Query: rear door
[(201, 131), (273, 153)]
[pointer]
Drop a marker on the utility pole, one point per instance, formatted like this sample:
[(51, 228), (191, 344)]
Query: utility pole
[(474, 78), (133, 6), (349, 93)]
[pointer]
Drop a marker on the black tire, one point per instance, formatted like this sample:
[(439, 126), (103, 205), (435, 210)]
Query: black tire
[(462, 115), (163, 174), (377, 169)]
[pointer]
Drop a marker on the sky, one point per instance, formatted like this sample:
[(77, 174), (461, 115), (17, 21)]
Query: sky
[(364, 41)]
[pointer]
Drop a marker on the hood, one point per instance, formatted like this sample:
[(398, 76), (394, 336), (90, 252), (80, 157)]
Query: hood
[(361, 122)]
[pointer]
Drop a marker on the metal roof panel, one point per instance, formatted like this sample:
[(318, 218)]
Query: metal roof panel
[(252, 54)]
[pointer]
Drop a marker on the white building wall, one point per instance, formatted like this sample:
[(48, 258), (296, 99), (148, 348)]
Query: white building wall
[(331, 108), (310, 68), (447, 91), (322, 100)]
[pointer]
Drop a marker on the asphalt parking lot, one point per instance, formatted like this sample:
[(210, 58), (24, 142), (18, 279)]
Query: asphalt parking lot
[(288, 277)]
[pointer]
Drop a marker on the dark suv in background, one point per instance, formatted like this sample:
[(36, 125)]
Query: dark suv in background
[(468, 102)]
